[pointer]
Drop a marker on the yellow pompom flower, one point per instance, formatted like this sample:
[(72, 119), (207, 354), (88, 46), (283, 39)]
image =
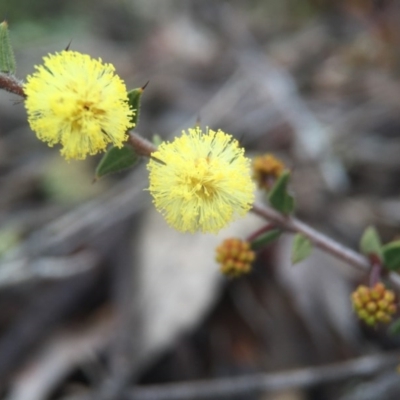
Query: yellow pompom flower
[(78, 102), (201, 181)]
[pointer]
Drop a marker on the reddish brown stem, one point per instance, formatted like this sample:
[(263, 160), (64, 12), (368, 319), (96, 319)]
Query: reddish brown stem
[(141, 145), (265, 228), (318, 239), (11, 84), (376, 270)]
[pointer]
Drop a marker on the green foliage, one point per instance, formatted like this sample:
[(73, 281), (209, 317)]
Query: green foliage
[(265, 239), (391, 255), (301, 248), (157, 140), (116, 160), (134, 98), (279, 197), (394, 328), (7, 59), (370, 243)]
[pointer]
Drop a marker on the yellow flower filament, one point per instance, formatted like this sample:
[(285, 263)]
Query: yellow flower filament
[(79, 102), (202, 182)]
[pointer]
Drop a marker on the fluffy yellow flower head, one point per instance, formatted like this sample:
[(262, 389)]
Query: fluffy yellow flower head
[(200, 182), (78, 102)]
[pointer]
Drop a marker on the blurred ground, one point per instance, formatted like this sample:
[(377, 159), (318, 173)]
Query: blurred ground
[(97, 293)]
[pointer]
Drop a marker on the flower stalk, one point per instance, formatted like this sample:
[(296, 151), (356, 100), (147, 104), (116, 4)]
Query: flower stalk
[(318, 239), (11, 84), (142, 146)]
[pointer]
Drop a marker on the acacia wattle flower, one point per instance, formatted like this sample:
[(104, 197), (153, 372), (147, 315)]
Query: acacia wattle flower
[(78, 102), (201, 181)]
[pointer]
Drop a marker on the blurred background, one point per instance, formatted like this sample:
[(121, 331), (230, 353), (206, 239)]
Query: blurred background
[(98, 295)]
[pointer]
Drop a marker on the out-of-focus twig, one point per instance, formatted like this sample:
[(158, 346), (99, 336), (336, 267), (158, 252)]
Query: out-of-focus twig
[(23, 269), (125, 350), (278, 86), (40, 316), (66, 349), (229, 388), (384, 386), (239, 386), (67, 231)]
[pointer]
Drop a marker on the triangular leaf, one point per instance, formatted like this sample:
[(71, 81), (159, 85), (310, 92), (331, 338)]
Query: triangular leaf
[(115, 160), (7, 59), (134, 98), (279, 197), (265, 239), (391, 255), (370, 243), (301, 248)]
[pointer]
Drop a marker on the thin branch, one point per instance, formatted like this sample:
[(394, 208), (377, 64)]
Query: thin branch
[(259, 232), (24, 269), (11, 84), (258, 383), (141, 145), (320, 240)]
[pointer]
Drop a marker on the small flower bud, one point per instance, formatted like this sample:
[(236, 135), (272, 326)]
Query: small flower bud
[(235, 257), (357, 304), (373, 305), (266, 169), (389, 296), (370, 321), (364, 294)]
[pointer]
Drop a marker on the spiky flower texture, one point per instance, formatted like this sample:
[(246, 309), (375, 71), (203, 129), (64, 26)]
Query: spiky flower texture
[(201, 181), (78, 102)]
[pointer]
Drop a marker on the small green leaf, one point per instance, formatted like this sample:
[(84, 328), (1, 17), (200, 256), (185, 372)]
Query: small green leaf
[(7, 59), (370, 243), (265, 239), (391, 255), (157, 140), (279, 197), (301, 248), (134, 98), (394, 328), (116, 160)]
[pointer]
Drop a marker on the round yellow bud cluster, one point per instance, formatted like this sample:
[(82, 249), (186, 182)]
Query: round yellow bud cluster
[(235, 257), (374, 305), (266, 169)]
